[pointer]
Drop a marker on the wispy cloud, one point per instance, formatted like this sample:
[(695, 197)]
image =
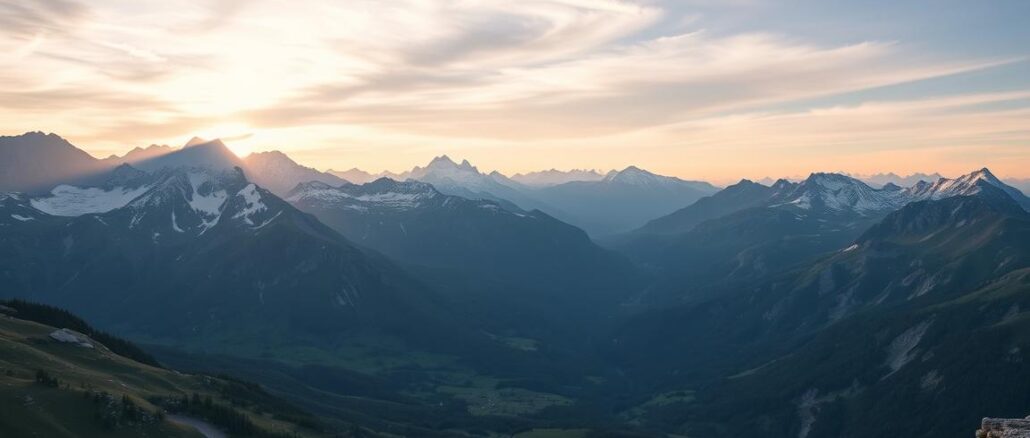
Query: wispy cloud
[(28, 18), (414, 76)]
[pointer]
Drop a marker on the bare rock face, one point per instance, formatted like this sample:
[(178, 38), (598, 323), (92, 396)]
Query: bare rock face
[(1004, 428), (71, 337)]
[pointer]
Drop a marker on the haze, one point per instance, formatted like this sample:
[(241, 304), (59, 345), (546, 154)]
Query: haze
[(714, 90)]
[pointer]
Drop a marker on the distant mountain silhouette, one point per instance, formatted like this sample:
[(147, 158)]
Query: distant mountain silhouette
[(277, 172), (553, 177), (622, 200), (36, 161)]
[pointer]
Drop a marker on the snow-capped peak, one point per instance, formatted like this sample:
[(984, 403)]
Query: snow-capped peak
[(984, 174), (444, 162), (965, 185), (444, 170), (838, 192), (832, 181)]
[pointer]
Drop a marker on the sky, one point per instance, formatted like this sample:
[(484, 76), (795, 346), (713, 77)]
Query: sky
[(702, 89)]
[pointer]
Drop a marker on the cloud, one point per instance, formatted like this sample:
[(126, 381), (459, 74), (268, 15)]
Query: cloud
[(620, 88), (413, 75), (28, 18)]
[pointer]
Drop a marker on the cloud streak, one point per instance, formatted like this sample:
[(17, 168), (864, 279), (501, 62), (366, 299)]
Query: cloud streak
[(414, 76)]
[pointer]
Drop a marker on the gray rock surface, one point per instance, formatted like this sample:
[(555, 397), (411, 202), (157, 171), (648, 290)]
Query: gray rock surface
[(1004, 428), (71, 337)]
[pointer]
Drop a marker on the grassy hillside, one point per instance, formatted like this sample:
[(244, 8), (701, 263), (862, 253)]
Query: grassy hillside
[(50, 388)]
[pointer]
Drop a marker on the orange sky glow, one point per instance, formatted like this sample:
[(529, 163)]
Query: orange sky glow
[(511, 86)]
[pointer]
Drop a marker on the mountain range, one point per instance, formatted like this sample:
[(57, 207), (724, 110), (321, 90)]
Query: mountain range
[(553, 177), (875, 337), (445, 301), (279, 174), (144, 252), (600, 204), (191, 255), (36, 161), (749, 230), (524, 258), (622, 200), (882, 179)]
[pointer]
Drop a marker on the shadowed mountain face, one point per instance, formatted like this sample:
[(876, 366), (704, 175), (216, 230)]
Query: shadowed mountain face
[(466, 181), (200, 256), (138, 154), (848, 344), (197, 153), (354, 175), (621, 201), (818, 308), (553, 177), (536, 258), (279, 174), (600, 205), (194, 257), (737, 197), (821, 191), (36, 161), (39, 162), (748, 230), (67, 379)]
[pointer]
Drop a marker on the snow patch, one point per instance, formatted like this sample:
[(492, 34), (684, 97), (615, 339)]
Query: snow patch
[(808, 405), (175, 226), (253, 203), (66, 200), (208, 206), (22, 218), (851, 248), (803, 202), (262, 225), (901, 350), (396, 200), (930, 380)]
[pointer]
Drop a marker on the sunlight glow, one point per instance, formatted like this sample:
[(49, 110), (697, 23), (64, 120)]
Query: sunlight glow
[(238, 137), (511, 86)]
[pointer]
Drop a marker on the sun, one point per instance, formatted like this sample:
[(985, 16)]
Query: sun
[(238, 137)]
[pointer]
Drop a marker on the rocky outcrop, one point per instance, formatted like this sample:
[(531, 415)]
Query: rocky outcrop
[(1004, 428), (71, 337)]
